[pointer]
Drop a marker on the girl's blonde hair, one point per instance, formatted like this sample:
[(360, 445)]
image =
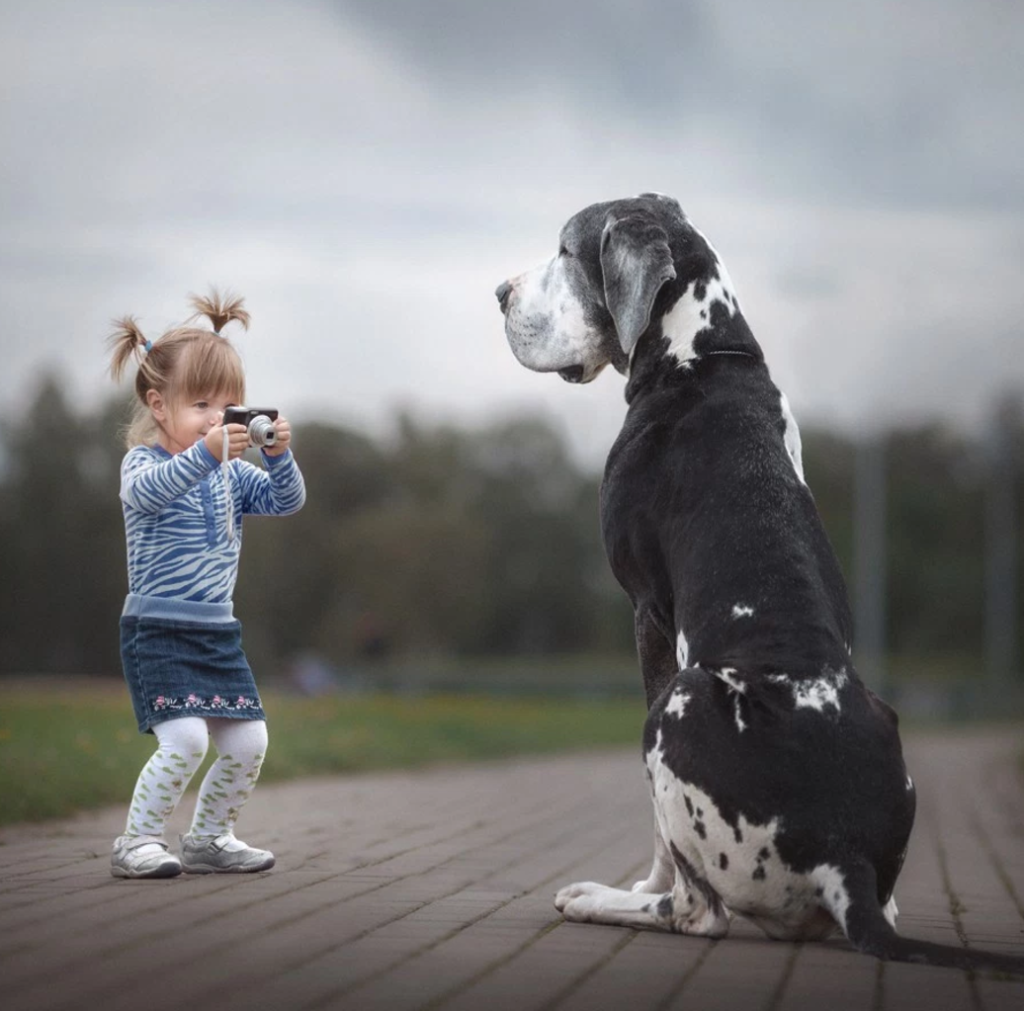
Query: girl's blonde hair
[(185, 363)]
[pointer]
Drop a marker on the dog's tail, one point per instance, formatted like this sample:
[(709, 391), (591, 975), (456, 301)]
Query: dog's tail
[(852, 899)]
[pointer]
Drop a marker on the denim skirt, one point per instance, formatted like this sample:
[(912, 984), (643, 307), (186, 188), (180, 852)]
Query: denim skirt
[(178, 668)]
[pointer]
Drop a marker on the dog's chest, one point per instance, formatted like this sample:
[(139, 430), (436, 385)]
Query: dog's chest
[(641, 503)]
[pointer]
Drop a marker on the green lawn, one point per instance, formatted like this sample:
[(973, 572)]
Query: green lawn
[(69, 747)]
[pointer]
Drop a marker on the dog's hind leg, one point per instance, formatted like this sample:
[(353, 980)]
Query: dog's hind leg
[(691, 906), (682, 910)]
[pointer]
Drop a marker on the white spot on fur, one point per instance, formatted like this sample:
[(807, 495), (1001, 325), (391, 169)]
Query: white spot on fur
[(684, 320), (682, 651), (677, 704), (814, 693), (890, 911), (910, 783), (791, 437), (726, 675), (819, 692), (836, 899), (742, 611), (740, 725), (738, 688)]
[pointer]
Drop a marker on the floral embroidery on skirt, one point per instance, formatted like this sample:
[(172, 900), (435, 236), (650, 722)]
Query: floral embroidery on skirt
[(197, 704)]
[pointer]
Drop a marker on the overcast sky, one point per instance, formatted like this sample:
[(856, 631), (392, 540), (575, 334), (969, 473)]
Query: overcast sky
[(365, 172)]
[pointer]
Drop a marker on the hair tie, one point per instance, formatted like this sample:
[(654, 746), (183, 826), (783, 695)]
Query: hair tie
[(148, 346)]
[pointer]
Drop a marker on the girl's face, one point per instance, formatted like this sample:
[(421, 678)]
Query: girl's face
[(183, 423)]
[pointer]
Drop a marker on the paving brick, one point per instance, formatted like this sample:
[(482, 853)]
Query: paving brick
[(432, 891)]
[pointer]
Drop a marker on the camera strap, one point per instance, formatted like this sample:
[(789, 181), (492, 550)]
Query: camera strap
[(229, 501)]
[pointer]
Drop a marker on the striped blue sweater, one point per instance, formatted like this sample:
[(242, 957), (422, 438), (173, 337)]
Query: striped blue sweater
[(181, 563)]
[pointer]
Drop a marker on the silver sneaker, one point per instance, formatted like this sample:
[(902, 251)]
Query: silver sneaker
[(143, 856), (208, 854)]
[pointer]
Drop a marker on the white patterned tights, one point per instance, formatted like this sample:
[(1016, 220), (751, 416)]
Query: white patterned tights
[(241, 746)]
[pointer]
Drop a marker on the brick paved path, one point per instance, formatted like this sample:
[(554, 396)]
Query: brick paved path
[(433, 890)]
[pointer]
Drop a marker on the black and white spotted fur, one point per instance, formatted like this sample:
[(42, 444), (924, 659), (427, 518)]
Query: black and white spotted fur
[(779, 787)]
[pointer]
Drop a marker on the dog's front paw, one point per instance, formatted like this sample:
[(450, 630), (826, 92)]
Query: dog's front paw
[(569, 892)]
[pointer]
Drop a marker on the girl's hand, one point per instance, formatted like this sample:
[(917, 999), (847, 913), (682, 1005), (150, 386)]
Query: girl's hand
[(238, 441), (284, 437)]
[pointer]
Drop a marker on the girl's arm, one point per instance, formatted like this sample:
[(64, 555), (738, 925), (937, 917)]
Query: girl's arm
[(148, 483), (277, 491)]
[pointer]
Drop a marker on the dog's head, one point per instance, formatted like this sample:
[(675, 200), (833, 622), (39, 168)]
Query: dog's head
[(619, 264)]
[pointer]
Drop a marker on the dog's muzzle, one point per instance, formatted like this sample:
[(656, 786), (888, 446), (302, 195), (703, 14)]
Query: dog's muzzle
[(573, 374), (502, 293)]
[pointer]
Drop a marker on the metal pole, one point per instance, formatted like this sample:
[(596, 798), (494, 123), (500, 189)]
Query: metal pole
[(1000, 551), (869, 564)]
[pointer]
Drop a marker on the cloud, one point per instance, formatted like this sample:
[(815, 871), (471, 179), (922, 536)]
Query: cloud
[(882, 102), (367, 173)]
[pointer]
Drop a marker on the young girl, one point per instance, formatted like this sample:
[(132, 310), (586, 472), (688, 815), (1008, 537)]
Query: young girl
[(184, 491)]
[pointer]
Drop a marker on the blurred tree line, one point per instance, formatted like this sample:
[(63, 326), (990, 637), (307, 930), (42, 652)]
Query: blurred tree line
[(444, 542)]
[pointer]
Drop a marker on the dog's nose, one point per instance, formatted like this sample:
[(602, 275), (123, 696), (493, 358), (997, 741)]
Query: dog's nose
[(502, 293)]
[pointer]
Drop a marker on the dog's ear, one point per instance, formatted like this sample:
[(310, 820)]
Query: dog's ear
[(636, 262)]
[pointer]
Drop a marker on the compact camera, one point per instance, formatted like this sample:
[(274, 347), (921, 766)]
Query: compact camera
[(258, 421)]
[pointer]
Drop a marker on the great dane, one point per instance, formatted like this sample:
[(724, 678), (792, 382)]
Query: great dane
[(779, 787)]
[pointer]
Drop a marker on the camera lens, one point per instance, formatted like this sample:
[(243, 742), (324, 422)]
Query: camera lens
[(261, 431)]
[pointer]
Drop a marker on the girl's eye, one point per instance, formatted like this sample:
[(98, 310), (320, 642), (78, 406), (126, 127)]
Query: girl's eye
[(202, 405)]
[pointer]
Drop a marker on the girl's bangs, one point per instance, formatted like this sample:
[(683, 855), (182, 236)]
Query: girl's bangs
[(211, 366)]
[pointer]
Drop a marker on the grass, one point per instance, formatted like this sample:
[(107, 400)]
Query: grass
[(73, 746)]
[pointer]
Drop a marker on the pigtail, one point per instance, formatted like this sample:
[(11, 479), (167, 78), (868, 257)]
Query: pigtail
[(220, 309), (126, 340)]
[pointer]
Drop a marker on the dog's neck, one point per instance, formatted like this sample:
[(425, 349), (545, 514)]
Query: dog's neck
[(705, 322), (706, 302)]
